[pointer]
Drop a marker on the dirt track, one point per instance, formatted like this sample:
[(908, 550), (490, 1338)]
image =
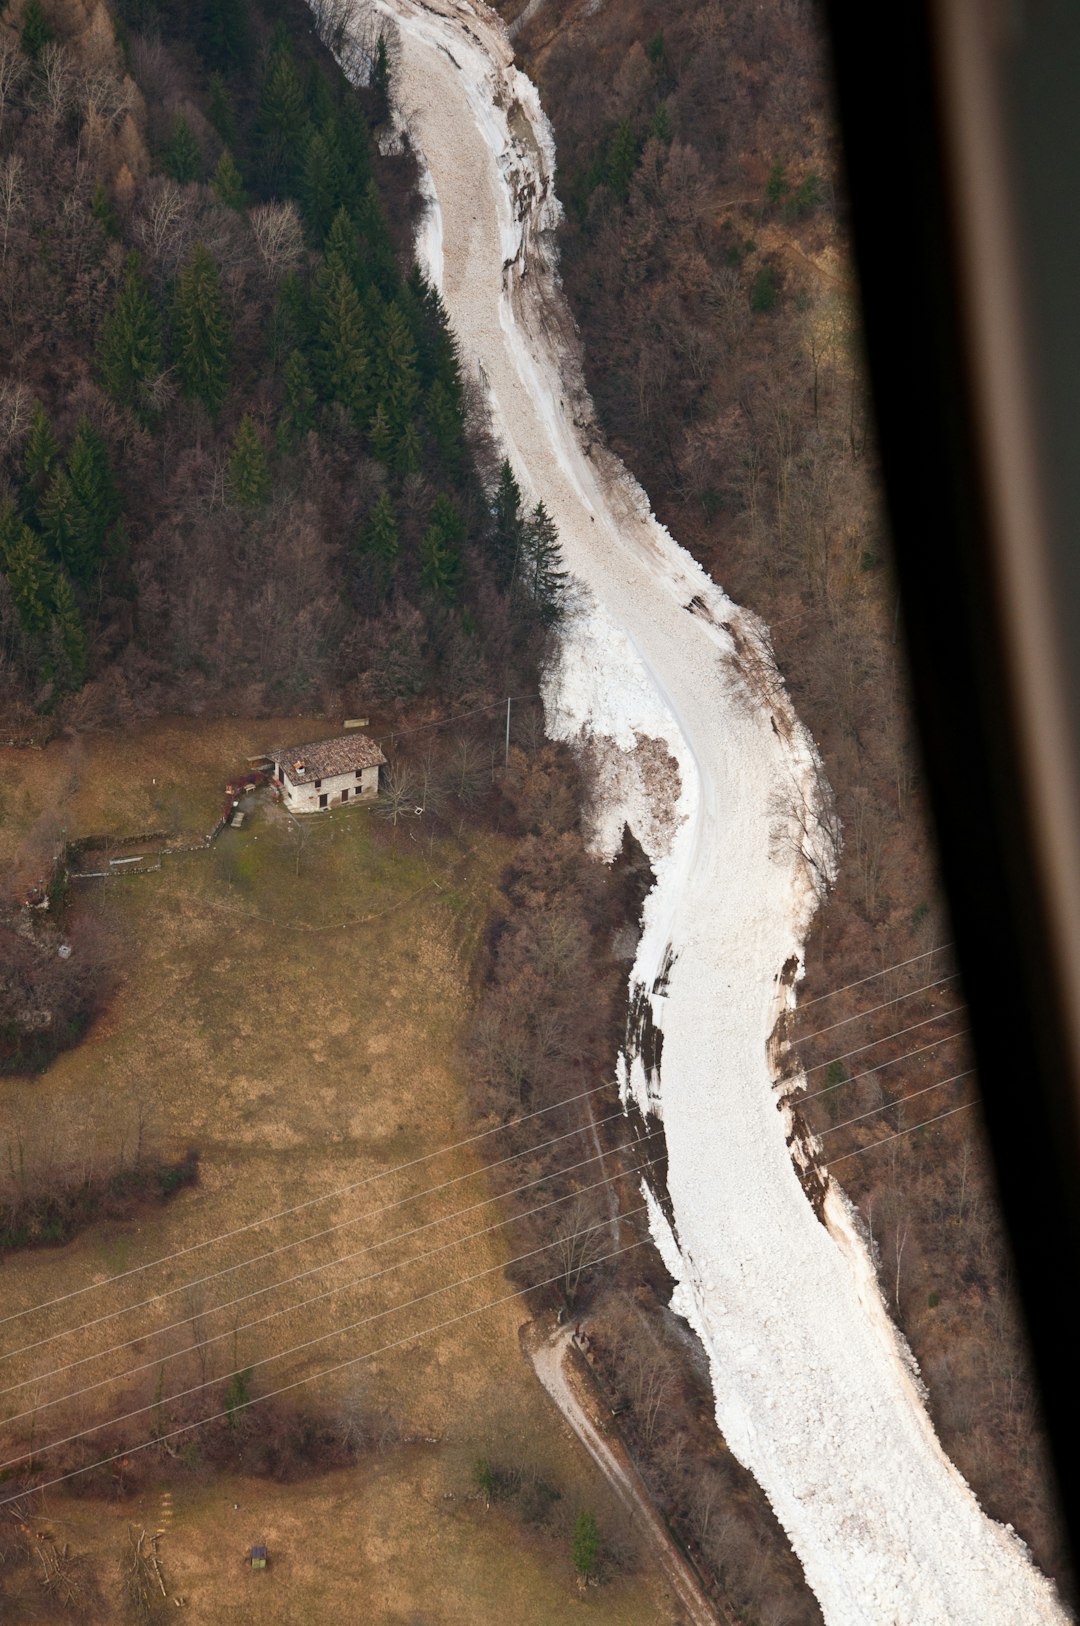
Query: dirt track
[(551, 1359)]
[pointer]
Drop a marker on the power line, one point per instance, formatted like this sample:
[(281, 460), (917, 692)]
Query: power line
[(834, 1164), (309, 1343), (386, 1208), (888, 1105), (804, 1038), (315, 1270), (871, 1044), (804, 1004), (856, 1078), (273, 1394), (312, 1236), (287, 1213)]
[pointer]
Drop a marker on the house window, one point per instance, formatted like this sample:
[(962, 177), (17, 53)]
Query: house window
[(318, 784), (322, 800), (359, 771)]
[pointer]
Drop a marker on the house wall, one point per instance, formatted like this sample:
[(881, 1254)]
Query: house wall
[(304, 798)]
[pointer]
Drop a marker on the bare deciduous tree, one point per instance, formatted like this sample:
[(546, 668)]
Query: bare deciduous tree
[(279, 237)]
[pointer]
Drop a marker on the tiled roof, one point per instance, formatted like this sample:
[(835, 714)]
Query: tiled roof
[(322, 759)]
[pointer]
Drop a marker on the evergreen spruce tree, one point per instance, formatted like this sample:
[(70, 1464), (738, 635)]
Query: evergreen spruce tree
[(542, 576), (380, 80), (281, 126), (41, 455), (202, 340), (103, 212), (95, 500), (35, 33), (248, 474), (221, 110), (408, 455), (441, 567), (446, 426), (318, 192), (129, 352), (342, 247), (370, 222), (182, 158), (56, 518), (293, 324), (622, 158), (379, 542), (394, 380), (507, 528), (380, 435), (31, 579), (67, 639), (349, 142), (228, 184), (225, 34), (300, 399), (342, 348)]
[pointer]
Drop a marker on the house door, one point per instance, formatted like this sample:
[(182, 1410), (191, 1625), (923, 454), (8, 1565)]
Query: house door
[(344, 796), (322, 800)]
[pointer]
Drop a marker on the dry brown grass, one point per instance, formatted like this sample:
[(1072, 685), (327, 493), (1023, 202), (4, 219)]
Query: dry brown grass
[(301, 1029)]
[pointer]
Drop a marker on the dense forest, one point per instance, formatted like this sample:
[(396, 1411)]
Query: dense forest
[(705, 256), (236, 444)]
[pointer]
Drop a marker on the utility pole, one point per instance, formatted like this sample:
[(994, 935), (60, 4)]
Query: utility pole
[(506, 762)]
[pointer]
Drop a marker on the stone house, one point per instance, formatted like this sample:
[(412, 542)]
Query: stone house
[(327, 772)]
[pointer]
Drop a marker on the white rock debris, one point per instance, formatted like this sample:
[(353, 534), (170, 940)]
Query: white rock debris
[(673, 690)]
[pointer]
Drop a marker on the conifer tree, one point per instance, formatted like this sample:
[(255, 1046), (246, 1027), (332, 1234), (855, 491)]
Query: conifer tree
[(67, 639), (622, 158), (300, 399), (95, 501), (56, 518), (507, 528), (350, 154), (41, 454), (293, 325), (225, 34), (342, 247), (228, 184), (370, 222), (36, 32), (31, 579), (249, 470), (380, 79), (407, 455), (446, 427), (542, 575), (342, 342), (221, 110), (317, 191), (379, 541), (103, 212), (441, 568), (182, 158), (380, 435), (281, 126), (129, 353), (202, 340), (394, 381)]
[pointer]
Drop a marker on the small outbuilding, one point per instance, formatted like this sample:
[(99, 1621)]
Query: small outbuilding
[(259, 1558), (326, 772)]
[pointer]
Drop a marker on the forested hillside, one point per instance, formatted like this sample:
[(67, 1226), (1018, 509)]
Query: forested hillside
[(705, 256), (236, 449)]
